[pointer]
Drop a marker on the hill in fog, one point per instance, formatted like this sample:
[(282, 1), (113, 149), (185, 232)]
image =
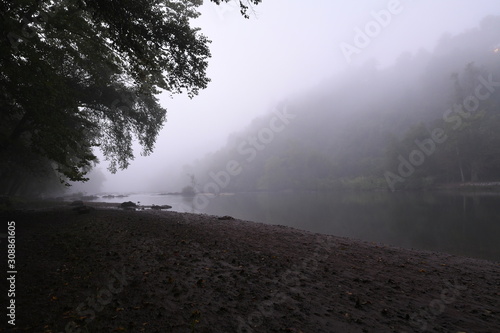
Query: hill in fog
[(429, 119)]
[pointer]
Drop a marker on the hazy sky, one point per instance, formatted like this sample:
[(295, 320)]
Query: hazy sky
[(286, 47)]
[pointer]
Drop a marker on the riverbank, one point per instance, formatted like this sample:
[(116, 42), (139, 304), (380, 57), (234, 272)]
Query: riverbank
[(472, 187), (109, 270)]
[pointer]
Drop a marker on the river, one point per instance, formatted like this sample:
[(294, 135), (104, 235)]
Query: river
[(454, 223)]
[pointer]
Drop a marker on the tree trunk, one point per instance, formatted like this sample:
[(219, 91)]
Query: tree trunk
[(462, 177), (473, 172)]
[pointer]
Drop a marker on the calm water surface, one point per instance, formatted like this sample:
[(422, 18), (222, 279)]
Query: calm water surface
[(454, 223)]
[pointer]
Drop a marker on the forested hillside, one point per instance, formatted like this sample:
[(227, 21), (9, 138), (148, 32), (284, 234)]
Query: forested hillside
[(430, 118)]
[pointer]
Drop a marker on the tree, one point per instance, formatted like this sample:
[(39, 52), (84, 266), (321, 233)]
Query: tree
[(471, 150), (79, 74)]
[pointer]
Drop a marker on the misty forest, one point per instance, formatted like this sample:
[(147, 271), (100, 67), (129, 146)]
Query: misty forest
[(68, 93), (362, 138), (357, 131)]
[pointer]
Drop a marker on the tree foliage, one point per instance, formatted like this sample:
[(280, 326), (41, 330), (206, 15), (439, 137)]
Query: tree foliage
[(80, 74)]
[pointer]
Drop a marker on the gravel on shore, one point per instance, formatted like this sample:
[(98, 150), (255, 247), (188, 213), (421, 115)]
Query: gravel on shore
[(109, 270)]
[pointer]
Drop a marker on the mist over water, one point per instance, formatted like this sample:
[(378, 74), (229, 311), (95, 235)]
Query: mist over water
[(316, 113), (287, 49), (251, 165)]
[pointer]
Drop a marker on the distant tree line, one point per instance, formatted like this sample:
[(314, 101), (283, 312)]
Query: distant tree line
[(430, 119)]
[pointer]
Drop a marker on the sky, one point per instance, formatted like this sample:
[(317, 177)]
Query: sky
[(285, 48)]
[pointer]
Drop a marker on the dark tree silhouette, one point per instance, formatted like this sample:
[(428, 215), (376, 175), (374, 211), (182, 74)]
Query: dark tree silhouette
[(79, 74)]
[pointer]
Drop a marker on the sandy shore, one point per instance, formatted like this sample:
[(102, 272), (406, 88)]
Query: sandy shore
[(124, 271)]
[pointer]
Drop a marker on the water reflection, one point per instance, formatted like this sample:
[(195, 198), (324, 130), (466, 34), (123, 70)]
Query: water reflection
[(460, 224)]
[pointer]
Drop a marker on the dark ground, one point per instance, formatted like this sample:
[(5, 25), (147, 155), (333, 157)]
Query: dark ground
[(124, 271)]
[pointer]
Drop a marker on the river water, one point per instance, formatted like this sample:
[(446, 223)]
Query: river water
[(454, 223)]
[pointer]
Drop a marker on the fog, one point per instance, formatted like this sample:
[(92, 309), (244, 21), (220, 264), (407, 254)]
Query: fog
[(284, 49)]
